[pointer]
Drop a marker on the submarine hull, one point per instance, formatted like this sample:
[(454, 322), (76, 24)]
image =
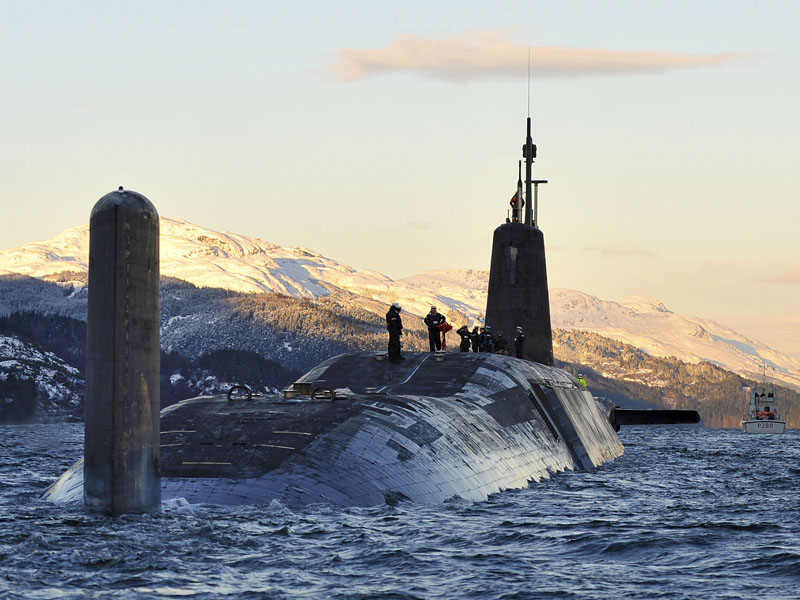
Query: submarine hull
[(431, 428)]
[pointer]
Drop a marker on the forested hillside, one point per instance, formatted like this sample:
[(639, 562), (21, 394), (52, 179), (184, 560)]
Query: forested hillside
[(297, 332), (212, 338), (42, 362), (630, 376)]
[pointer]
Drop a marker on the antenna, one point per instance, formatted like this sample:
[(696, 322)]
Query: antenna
[(529, 153)]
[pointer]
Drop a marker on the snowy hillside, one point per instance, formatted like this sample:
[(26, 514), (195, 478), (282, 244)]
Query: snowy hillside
[(59, 386), (646, 323), (205, 258), (210, 258)]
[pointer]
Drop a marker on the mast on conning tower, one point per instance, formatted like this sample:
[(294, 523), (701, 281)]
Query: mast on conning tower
[(528, 153), (519, 216)]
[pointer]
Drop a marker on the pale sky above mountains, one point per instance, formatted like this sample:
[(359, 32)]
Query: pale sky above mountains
[(386, 135)]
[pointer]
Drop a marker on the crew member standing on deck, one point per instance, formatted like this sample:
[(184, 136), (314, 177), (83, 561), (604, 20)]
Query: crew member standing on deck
[(434, 320), (519, 341), (488, 340), (394, 324), (476, 339), (500, 344), (466, 337), (514, 202)]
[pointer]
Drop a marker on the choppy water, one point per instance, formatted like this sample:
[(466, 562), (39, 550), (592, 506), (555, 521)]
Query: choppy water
[(685, 513)]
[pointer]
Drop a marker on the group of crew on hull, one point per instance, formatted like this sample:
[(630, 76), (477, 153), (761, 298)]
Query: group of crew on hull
[(480, 339)]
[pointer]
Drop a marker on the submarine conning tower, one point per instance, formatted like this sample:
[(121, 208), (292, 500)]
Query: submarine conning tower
[(518, 294)]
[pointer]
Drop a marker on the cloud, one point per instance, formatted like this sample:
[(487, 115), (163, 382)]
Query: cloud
[(489, 53)]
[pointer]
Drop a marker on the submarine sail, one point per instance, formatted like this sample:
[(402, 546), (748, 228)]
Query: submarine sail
[(518, 293)]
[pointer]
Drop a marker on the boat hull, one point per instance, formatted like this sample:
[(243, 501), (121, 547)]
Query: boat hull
[(763, 426), (427, 430)]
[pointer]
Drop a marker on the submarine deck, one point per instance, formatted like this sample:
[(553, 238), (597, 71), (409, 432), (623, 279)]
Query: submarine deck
[(429, 428)]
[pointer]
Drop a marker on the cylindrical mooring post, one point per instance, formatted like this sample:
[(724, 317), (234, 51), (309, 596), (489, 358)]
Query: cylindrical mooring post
[(121, 453)]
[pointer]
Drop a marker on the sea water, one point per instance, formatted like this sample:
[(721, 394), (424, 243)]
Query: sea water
[(687, 512)]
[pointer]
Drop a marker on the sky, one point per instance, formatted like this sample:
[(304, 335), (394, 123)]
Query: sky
[(386, 135)]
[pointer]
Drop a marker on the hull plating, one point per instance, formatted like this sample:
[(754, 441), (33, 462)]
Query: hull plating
[(764, 426), (423, 430)]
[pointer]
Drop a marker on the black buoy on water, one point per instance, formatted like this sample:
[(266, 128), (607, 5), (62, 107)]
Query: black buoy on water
[(121, 468)]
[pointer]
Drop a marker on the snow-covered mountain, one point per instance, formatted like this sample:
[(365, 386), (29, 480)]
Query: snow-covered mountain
[(210, 258), (646, 323)]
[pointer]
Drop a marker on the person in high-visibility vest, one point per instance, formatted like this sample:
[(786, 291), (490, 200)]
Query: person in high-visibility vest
[(514, 212), (582, 380)]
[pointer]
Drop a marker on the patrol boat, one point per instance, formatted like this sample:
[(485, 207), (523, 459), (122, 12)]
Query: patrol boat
[(762, 412)]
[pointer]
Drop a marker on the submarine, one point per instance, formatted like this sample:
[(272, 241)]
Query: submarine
[(357, 429), (360, 431)]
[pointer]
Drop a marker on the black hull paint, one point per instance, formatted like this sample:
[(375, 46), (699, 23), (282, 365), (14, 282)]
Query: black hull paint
[(426, 430)]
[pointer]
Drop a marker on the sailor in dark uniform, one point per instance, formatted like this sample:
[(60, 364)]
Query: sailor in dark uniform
[(500, 344), (488, 340), (466, 337), (476, 339), (519, 341), (434, 321), (394, 324)]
